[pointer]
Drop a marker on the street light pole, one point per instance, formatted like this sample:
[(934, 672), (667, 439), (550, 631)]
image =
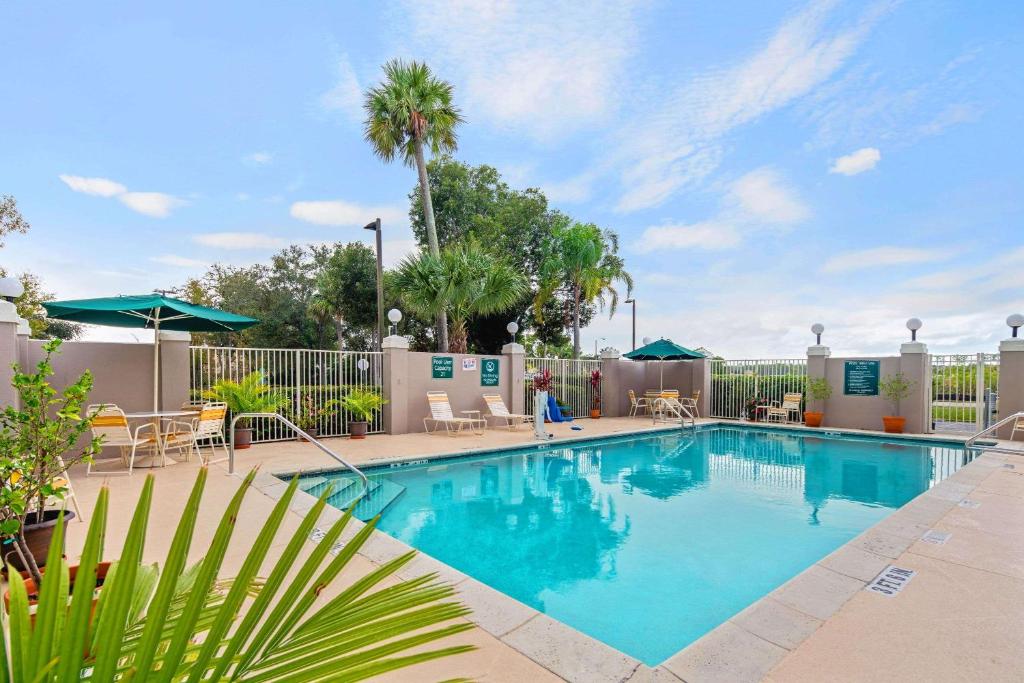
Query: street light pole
[(375, 226), (633, 301)]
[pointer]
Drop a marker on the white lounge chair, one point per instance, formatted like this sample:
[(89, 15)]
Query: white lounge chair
[(108, 422), (498, 411), (441, 415), (790, 404), (207, 426), (1018, 426), (638, 404)]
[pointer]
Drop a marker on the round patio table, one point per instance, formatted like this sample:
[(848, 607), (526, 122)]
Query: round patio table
[(157, 416)]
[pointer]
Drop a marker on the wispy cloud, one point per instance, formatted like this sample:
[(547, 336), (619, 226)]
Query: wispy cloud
[(863, 159), (155, 204), (344, 213), (680, 142), (878, 257), (178, 261), (576, 189), (241, 240), (258, 158), (707, 235), (346, 96)]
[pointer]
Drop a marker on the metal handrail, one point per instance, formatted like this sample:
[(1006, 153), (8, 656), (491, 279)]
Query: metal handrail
[(1006, 420), (675, 407), (231, 452)]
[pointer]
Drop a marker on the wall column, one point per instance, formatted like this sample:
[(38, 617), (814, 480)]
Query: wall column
[(817, 360), (9, 322), (915, 366), (396, 384), (515, 361), (611, 382), (1011, 381), (701, 381), (175, 368)]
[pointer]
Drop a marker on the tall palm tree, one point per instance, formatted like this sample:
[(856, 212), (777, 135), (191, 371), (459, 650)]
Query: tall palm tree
[(583, 262), (412, 108), (463, 280)]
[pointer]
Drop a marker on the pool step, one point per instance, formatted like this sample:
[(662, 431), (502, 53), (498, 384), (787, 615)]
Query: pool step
[(379, 499), (316, 485), (346, 490)]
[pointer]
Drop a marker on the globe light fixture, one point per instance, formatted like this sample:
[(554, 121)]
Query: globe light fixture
[(816, 330), (914, 324), (647, 340), (1015, 321), (362, 364), (10, 288), (395, 316), (512, 328)]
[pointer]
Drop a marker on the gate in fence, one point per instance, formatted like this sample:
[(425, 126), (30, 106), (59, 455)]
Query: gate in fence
[(570, 382), (312, 382), (965, 392), (734, 382)]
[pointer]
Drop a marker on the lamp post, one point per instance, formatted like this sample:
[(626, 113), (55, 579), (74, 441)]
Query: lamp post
[(595, 344), (633, 301), (816, 330), (914, 324), (395, 316), (512, 328), (1015, 322), (375, 226)]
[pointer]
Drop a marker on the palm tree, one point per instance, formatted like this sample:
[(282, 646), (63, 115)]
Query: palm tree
[(410, 109), (463, 280), (583, 262)]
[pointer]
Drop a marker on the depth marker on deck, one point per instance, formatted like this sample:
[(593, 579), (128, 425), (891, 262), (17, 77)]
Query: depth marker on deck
[(891, 581), (936, 537)]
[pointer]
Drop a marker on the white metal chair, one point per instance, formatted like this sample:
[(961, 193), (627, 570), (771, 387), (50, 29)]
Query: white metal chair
[(441, 415), (790, 404), (692, 402), (638, 404), (498, 411), (109, 424), (207, 426), (1018, 426)]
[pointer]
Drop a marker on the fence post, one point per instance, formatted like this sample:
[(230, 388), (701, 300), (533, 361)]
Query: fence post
[(396, 384), (611, 383), (515, 356), (1011, 381), (916, 366), (979, 392), (817, 362)]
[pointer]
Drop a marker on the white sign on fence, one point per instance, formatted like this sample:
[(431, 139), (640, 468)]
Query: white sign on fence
[(469, 363)]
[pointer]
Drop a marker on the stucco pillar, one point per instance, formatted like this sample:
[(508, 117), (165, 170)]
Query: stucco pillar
[(175, 368), (9, 321), (915, 366), (701, 381), (1011, 381), (396, 384), (817, 361), (515, 361), (611, 382)]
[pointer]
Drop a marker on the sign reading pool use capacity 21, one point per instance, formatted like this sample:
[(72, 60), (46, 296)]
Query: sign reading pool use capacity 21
[(442, 367), (860, 377)]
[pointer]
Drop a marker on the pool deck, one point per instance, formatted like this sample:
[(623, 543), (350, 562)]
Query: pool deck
[(961, 616)]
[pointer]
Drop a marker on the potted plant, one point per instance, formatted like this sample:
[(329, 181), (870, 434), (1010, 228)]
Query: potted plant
[(541, 386), (595, 384), (38, 443), (250, 395), (895, 388), (312, 414), (751, 406), (818, 389), (363, 404)]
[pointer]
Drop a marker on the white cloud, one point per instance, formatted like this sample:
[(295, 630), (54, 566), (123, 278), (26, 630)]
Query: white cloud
[(707, 235), (877, 257), (863, 159), (347, 95), (100, 187), (535, 67), (393, 251), (241, 240), (950, 116), (343, 213), (155, 204), (678, 141), (178, 261), (571, 190), (258, 158), (762, 195), (242, 196)]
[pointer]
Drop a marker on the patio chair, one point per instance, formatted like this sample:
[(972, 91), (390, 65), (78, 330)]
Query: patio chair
[(637, 404), (497, 410), (790, 404), (108, 423), (1018, 426), (691, 403), (69, 493), (441, 415), (207, 426)]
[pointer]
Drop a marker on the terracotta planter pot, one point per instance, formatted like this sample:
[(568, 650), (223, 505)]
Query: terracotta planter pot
[(813, 419), (312, 431), (357, 429), (33, 591), (37, 536), (595, 413), (243, 437), (894, 425)]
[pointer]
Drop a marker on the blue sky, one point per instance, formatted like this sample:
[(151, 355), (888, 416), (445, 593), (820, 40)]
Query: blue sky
[(767, 164)]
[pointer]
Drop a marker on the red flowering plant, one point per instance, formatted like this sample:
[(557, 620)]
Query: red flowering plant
[(595, 384), (752, 404), (542, 380)]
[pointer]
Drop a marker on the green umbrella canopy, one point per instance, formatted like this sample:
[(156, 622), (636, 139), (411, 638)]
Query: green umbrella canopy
[(148, 311), (663, 349)]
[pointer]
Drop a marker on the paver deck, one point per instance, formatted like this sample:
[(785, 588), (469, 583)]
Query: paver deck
[(960, 618)]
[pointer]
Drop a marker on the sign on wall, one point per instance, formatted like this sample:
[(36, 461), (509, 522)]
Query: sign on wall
[(469, 363), (860, 377), (442, 367), (489, 372)]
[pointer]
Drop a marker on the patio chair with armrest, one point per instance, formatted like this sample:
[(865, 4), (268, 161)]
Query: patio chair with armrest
[(109, 423), (497, 411), (638, 404), (790, 404)]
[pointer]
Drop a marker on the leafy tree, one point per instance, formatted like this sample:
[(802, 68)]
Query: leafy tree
[(583, 262), (410, 109), (11, 219), (465, 280), (347, 293)]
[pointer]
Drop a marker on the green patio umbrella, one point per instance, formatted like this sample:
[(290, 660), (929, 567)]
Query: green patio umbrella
[(152, 312), (663, 350)]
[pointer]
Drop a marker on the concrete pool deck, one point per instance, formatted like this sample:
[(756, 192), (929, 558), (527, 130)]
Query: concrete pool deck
[(960, 617)]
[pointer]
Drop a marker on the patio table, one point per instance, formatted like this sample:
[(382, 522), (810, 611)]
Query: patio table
[(157, 416)]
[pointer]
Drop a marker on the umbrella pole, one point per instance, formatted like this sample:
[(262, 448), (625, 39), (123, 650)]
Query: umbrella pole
[(661, 379), (156, 361)]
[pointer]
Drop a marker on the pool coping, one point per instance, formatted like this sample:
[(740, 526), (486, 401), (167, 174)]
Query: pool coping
[(744, 647)]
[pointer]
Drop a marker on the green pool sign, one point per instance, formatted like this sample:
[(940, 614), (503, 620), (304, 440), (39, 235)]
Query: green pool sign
[(489, 372), (442, 367), (860, 377)]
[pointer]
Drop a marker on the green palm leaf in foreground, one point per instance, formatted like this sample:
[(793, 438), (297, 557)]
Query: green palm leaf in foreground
[(180, 623)]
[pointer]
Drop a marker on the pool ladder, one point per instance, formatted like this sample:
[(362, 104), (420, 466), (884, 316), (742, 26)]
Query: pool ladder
[(674, 409), (991, 447)]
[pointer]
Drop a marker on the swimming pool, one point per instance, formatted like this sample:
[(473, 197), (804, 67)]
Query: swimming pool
[(650, 541)]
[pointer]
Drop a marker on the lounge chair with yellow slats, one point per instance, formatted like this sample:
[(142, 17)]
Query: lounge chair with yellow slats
[(109, 424), (790, 405), (497, 410), (207, 426), (638, 404), (441, 415)]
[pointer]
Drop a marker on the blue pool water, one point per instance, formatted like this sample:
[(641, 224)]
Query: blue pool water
[(647, 543)]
